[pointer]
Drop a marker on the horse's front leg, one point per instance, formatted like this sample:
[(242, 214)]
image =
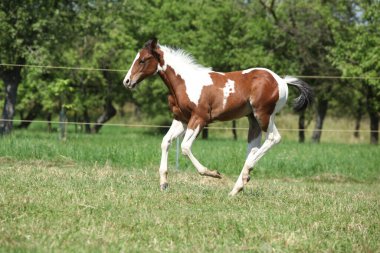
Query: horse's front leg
[(194, 128), (175, 130)]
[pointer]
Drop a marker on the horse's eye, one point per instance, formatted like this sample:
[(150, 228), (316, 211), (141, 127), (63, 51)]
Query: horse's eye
[(142, 61)]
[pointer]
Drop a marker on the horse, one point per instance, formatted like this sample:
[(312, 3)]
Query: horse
[(199, 96)]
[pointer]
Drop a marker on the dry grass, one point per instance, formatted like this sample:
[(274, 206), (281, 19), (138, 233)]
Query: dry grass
[(48, 206), (100, 193)]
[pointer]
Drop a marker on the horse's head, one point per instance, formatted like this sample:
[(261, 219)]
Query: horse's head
[(145, 64)]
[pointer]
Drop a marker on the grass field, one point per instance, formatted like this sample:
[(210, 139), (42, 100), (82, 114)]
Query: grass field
[(100, 193)]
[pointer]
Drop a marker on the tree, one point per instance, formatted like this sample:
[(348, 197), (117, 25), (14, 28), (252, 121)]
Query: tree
[(356, 53), (104, 43), (101, 41), (25, 27), (291, 37), (305, 36)]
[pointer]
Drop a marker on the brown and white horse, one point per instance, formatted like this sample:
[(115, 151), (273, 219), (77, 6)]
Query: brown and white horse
[(198, 96)]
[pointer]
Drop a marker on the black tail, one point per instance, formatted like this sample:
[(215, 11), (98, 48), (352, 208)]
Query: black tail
[(306, 97)]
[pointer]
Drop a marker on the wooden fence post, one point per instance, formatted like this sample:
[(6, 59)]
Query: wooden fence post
[(62, 124)]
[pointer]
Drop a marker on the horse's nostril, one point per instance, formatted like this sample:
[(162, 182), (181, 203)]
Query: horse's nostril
[(127, 82)]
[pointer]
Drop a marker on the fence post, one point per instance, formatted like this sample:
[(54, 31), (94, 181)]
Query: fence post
[(177, 155), (62, 124)]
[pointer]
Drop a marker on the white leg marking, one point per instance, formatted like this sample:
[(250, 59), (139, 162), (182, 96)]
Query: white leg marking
[(187, 142), (244, 174), (175, 130), (273, 137)]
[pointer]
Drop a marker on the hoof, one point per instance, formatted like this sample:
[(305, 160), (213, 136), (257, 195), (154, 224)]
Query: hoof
[(216, 174), (212, 173), (234, 192), (164, 186)]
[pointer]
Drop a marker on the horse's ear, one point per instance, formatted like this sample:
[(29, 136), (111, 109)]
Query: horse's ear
[(152, 44)]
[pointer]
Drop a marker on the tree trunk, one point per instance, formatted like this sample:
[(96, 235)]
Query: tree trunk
[(358, 119), (32, 114), (109, 112), (205, 133), (373, 115), (234, 133), (374, 126), (49, 122), (11, 79), (301, 127), (87, 126), (322, 107)]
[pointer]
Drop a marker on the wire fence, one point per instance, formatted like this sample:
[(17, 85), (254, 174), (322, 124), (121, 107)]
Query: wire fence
[(61, 67), (63, 130), (125, 70), (167, 126)]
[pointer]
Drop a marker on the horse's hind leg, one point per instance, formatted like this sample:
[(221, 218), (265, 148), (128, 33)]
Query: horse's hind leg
[(254, 142), (254, 134), (175, 130), (273, 137)]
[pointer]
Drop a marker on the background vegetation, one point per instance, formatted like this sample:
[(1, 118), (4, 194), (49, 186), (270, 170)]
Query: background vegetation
[(305, 38)]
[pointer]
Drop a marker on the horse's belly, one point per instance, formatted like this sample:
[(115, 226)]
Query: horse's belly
[(233, 113)]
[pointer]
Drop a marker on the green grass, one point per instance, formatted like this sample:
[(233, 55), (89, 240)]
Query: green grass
[(130, 148), (100, 193)]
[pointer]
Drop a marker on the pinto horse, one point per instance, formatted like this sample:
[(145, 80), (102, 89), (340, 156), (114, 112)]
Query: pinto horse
[(199, 96)]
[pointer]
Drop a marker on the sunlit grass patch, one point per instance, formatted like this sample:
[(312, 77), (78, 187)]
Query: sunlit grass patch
[(49, 206), (101, 193)]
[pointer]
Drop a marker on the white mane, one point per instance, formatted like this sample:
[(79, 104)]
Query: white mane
[(181, 61), (195, 75)]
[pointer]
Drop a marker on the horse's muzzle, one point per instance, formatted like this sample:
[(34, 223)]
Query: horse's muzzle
[(128, 83)]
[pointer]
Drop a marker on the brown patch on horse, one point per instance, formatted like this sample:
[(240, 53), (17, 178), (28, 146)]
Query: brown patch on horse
[(256, 90), (237, 105), (147, 65), (263, 95), (179, 102)]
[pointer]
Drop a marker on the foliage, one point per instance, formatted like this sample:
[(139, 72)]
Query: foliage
[(357, 45), (291, 37)]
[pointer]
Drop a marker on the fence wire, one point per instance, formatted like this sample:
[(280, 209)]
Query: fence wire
[(125, 70), (167, 126)]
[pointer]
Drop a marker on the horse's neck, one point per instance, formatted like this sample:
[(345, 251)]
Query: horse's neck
[(171, 80), (178, 69)]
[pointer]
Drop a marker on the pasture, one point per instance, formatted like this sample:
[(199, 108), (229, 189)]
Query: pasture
[(100, 193)]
